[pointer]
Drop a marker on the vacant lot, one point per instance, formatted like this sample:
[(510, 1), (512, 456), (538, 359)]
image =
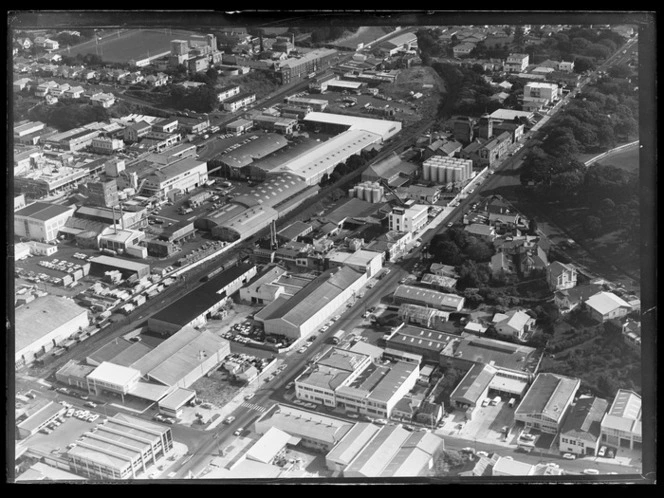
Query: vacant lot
[(131, 44)]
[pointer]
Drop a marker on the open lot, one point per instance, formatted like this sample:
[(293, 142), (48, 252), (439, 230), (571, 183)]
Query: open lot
[(131, 44)]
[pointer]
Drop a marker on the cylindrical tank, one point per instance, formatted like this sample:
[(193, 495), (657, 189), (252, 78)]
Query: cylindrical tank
[(426, 171), (351, 193)]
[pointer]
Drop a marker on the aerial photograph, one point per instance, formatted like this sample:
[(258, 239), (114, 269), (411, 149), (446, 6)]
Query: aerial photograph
[(331, 248)]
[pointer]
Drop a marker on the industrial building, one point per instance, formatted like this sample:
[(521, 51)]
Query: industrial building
[(473, 388), (369, 262), (41, 221), (408, 219), (44, 323), (254, 148), (279, 124), (353, 381), (313, 430), (547, 402), (293, 69), (581, 431), (272, 283), (512, 361), (442, 170), (424, 342), (322, 159), (371, 451), (305, 312), (195, 308), (237, 102), (37, 416), (101, 264), (341, 122), (394, 170), (621, 425), (123, 447), (182, 175), (428, 297)]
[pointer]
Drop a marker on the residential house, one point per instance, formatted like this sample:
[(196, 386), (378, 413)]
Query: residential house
[(104, 100), (46, 43), (499, 97), (631, 332), (485, 232), (463, 49), (44, 88), (515, 324), (569, 299), (74, 92), (561, 276), (605, 306), (621, 425), (21, 83), (157, 80), (24, 43), (516, 63), (581, 431)]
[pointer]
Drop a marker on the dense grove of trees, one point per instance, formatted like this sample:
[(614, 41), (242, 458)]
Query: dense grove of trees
[(468, 93), (201, 99), (64, 116)]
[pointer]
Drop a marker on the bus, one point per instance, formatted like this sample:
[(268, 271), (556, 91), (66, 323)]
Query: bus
[(338, 335)]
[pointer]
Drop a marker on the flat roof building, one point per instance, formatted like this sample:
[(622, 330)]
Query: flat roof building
[(428, 297), (41, 220), (621, 425), (43, 323), (385, 129)]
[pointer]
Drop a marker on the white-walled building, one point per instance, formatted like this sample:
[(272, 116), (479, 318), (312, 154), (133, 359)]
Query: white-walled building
[(621, 425), (409, 219), (545, 405), (44, 323), (41, 221), (306, 311), (516, 63)]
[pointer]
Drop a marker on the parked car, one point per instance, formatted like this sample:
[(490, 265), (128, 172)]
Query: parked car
[(238, 432), (90, 404), (592, 472), (485, 402), (602, 451), (569, 456), (229, 420), (249, 396)]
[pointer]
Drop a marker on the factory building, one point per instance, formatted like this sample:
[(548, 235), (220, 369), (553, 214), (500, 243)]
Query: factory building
[(41, 221)]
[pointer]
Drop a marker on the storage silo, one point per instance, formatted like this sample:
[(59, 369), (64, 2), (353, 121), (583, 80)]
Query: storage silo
[(351, 192), (426, 170)]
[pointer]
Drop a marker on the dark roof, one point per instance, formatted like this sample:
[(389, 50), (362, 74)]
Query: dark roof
[(43, 210), (189, 307), (584, 419)]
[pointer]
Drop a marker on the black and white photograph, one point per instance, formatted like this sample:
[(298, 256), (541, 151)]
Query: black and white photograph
[(331, 247)]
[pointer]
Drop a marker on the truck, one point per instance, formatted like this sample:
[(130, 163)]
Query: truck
[(338, 335)]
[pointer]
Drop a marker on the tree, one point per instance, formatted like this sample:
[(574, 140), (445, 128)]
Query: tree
[(619, 71), (583, 64), (592, 226), (519, 37), (508, 30), (532, 226), (447, 252)]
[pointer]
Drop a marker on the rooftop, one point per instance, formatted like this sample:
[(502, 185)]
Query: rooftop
[(605, 302), (43, 211), (584, 419), (549, 395), (474, 383)]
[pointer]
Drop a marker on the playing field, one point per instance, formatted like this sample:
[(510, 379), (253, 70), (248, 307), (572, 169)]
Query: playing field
[(624, 159), (130, 44)]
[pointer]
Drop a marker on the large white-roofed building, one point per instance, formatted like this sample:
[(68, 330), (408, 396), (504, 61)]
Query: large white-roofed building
[(109, 377), (43, 323), (386, 129), (322, 159)]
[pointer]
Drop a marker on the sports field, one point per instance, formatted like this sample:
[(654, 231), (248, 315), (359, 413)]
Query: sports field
[(125, 45), (624, 159)]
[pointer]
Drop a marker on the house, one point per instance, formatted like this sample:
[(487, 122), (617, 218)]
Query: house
[(631, 331), (513, 324), (24, 43), (74, 92), (581, 430), (561, 276), (516, 63), (104, 100), (463, 49), (157, 80), (569, 299), (485, 232), (604, 306), (499, 97)]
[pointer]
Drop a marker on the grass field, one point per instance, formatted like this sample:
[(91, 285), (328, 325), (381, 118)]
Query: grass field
[(627, 160), (131, 44)]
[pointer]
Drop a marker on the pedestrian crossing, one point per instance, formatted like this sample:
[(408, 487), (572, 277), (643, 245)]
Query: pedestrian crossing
[(253, 406)]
